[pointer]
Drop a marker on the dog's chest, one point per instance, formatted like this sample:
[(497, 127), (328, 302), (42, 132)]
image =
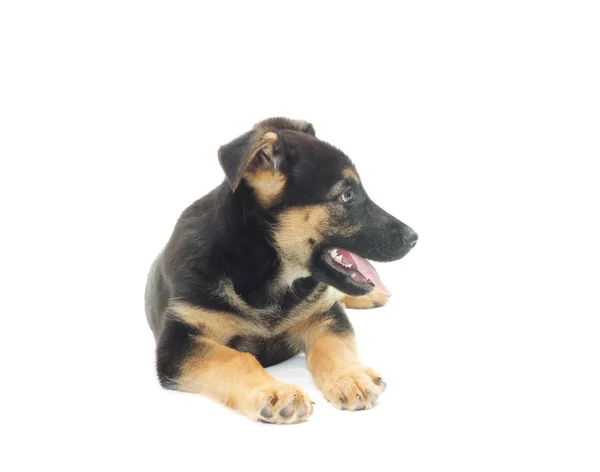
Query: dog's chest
[(277, 332), (299, 304), (272, 309)]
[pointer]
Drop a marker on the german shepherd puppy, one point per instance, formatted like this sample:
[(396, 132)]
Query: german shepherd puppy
[(260, 269)]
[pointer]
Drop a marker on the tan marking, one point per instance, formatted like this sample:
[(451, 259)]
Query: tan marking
[(307, 308), (373, 299), (267, 185), (333, 362), (227, 292), (237, 380), (217, 326), (294, 231), (253, 325), (265, 144), (328, 352), (296, 326), (349, 173), (289, 274), (296, 227)]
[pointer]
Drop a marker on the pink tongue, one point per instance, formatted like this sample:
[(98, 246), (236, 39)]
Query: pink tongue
[(366, 269)]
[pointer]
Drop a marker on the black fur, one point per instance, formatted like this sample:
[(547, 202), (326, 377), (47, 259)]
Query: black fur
[(267, 352), (340, 324), (228, 235), (175, 344)]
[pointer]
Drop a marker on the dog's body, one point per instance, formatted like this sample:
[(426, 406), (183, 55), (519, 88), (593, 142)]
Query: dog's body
[(256, 272)]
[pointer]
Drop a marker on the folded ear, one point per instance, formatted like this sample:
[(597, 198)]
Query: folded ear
[(255, 150), (250, 152)]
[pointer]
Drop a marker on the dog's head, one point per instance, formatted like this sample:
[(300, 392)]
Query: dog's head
[(327, 226)]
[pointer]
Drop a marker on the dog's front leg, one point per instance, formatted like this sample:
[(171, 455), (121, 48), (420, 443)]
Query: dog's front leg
[(332, 359), (189, 362)]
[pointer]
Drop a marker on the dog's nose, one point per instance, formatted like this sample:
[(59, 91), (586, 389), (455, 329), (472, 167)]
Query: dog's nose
[(411, 239)]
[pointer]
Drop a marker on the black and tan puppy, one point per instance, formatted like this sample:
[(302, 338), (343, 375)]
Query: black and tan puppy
[(260, 269)]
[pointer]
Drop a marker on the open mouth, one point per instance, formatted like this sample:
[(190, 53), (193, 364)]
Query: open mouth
[(356, 268)]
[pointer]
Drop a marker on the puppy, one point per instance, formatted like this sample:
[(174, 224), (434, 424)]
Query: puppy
[(260, 269)]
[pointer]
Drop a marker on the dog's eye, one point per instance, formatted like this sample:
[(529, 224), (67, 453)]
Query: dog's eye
[(347, 196)]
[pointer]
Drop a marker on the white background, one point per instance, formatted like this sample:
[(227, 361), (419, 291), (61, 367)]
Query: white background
[(477, 123)]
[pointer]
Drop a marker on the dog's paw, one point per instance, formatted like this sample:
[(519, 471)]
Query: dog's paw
[(354, 388), (279, 403), (374, 299)]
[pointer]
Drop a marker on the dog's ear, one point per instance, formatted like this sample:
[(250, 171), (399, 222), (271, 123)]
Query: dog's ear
[(250, 152), (256, 150)]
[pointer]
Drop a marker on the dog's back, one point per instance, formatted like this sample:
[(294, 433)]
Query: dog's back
[(156, 296)]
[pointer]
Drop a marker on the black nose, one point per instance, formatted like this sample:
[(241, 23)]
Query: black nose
[(411, 239)]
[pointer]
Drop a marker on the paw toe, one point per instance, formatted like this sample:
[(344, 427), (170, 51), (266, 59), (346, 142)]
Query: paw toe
[(355, 389), (302, 411), (282, 403), (266, 412), (287, 412)]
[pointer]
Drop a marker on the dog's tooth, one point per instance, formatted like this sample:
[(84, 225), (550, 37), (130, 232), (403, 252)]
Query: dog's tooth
[(353, 275)]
